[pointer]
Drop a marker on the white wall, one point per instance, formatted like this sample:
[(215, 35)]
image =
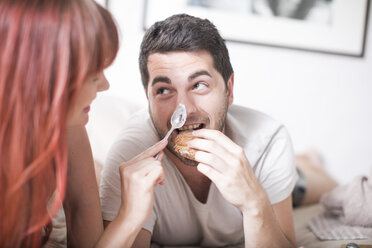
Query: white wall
[(324, 100)]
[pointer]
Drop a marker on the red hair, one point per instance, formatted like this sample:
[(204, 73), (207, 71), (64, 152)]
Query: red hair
[(49, 48)]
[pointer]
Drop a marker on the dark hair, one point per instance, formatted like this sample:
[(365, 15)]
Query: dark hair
[(184, 33)]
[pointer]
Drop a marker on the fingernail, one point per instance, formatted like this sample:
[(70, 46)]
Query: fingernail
[(200, 167)]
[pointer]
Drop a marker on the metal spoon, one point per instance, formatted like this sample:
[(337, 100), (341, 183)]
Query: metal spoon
[(178, 119)]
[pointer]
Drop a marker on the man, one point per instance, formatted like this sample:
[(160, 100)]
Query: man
[(238, 189)]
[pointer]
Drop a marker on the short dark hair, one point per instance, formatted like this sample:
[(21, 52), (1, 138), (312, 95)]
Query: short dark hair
[(184, 33)]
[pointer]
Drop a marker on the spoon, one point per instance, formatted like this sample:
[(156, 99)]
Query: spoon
[(178, 119)]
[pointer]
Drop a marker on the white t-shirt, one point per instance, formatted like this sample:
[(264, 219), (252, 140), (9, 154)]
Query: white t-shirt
[(178, 218)]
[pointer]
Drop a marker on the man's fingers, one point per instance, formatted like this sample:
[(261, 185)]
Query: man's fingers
[(212, 160), (216, 136), (211, 173), (212, 147)]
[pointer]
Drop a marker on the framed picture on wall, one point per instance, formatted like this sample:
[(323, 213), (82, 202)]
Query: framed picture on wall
[(329, 26)]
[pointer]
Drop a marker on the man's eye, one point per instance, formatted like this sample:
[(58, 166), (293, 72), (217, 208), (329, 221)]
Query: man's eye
[(162, 91), (200, 86)]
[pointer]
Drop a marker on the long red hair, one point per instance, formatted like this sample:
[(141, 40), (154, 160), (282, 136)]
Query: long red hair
[(48, 49)]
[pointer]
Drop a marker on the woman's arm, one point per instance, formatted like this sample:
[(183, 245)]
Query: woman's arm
[(81, 204), (139, 176), (84, 221)]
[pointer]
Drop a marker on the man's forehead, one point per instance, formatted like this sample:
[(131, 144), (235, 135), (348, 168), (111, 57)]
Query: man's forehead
[(166, 67), (179, 53), (159, 63)]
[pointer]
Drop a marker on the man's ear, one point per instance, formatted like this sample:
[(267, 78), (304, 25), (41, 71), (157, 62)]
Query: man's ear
[(230, 89)]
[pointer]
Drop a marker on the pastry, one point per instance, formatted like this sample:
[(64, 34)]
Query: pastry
[(181, 146)]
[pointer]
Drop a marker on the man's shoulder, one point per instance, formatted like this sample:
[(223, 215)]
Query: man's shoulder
[(253, 130), (138, 127), (136, 135), (253, 121)]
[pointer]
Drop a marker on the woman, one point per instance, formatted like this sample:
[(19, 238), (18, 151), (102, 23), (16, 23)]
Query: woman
[(51, 62)]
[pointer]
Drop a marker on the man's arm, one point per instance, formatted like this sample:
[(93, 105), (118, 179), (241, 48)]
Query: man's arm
[(271, 226), (225, 163), (143, 239), (284, 215), (81, 204)]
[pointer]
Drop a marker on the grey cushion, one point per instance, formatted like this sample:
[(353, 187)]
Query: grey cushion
[(305, 237)]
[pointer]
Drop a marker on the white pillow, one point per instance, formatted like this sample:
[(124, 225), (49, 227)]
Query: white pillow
[(107, 116)]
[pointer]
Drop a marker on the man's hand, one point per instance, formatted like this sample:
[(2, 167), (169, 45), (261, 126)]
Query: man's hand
[(225, 163)]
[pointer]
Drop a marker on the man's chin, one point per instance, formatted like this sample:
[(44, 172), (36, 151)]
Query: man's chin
[(187, 161)]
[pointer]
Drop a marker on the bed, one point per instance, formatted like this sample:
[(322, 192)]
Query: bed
[(307, 239)]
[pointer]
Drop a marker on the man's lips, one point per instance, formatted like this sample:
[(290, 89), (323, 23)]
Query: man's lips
[(86, 109), (194, 126)]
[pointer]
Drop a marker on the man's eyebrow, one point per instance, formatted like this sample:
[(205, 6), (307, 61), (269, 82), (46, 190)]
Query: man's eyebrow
[(199, 73), (160, 79)]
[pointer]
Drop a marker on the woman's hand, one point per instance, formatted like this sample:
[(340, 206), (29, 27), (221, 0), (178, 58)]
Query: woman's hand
[(139, 176)]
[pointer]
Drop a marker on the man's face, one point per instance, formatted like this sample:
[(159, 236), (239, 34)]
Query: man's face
[(188, 78)]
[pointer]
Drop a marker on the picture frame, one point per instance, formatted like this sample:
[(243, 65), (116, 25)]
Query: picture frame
[(342, 31)]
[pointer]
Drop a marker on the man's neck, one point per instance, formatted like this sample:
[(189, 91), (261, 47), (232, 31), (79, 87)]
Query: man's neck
[(198, 183)]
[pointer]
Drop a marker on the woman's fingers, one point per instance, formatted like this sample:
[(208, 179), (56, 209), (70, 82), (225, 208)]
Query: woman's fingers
[(156, 175), (152, 151), (142, 171)]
